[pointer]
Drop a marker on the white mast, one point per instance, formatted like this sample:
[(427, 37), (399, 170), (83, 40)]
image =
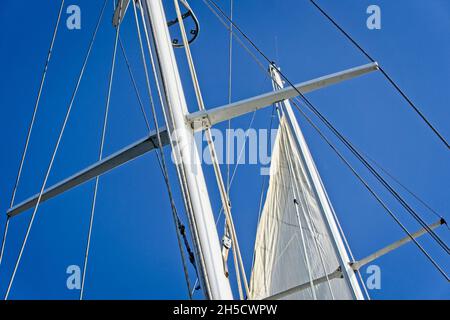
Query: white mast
[(215, 284)]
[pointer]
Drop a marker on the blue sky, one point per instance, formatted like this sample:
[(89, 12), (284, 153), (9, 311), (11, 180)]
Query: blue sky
[(134, 252)]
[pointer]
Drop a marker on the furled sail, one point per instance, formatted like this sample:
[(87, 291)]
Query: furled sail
[(293, 243)]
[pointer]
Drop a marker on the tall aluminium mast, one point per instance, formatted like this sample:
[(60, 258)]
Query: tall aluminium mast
[(214, 282)]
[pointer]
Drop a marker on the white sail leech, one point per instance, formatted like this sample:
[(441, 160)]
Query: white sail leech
[(293, 245)]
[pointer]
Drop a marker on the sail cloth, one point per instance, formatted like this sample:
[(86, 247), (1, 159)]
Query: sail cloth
[(293, 244)]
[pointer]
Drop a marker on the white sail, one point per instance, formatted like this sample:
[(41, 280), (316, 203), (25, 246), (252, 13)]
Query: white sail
[(293, 244)]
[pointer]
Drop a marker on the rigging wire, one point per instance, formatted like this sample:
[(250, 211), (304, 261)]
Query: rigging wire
[(224, 195), (229, 27), (366, 185), (238, 39), (31, 125), (243, 148), (385, 74), (241, 152), (179, 227), (407, 189), (181, 174), (237, 164), (50, 166), (180, 224), (230, 91), (339, 135), (376, 174), (226, 231), (136, 90), (313, 109), (260, 65), (347, 245), (138, 96), (100, 156)]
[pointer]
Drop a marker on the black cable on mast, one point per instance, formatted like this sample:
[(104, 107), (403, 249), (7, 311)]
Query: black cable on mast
[(337, 133), (391, 81)]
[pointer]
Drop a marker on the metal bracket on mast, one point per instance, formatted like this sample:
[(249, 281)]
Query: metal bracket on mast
[(359, 264), (194, 32), (213, 116), (115, 160)]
